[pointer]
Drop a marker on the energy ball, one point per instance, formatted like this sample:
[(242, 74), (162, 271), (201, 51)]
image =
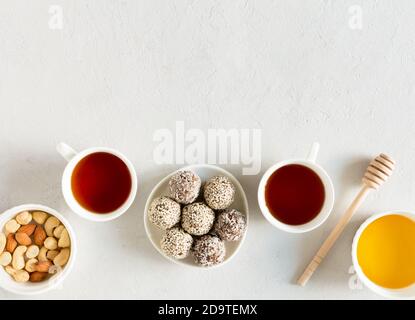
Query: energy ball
[(176, 243), (184, 186), (164, 212), (230, 225), (208, 250), (219, 192), (197, 218)]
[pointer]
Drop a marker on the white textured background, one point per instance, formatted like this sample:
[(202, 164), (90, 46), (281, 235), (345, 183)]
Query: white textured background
[(119, 70)]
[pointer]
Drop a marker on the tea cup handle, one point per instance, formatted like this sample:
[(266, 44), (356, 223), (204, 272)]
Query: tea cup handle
[(312, 155), (66, 151)]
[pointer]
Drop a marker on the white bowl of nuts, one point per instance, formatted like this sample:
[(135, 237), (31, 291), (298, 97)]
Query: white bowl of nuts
[(37, 249)]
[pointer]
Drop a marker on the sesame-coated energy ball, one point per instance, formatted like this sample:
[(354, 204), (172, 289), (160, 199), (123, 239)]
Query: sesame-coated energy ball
[(208, 250), (164, 212), (219, 192), (176, 243), (197, 218), (230, 225), (184, 186)]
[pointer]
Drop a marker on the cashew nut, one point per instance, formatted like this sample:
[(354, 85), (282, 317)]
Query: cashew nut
[(3, 241), (40, 217), (18, 262), (18, 275), (10, 270), (50, 243), (24, 217), (21, 276), (51, 254), (31, 265), (5, 258), (11, 226), (42, 254), (64, 240), (58, 231), (50, 225), (62, 258), (32, 252)]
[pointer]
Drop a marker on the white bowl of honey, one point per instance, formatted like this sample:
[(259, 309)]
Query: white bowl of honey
[(383, 254)]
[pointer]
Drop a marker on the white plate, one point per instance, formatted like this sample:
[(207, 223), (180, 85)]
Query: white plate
[(204, 171)]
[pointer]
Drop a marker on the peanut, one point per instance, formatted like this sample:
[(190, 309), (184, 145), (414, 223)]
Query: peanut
[(62, 258), (64, 240), (18, 262), (28, 229), (23, 239), (31, 265), (50, 225), (37, 276), (58, 231), (51, 254), (50, 243), (42, 254), (39, 236), (3, 241), (40, 217), (24, 217), (32, 251), (11, 226), (5, 258), (11, 243)]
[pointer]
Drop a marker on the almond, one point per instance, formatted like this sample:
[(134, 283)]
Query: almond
[(37, 276), (28, 229), (39, 236), (43, 266), (11, 243), (23, 239)]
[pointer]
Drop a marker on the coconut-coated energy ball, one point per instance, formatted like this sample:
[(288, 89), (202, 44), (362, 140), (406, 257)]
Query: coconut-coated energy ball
[(219, 192), (176, 243), (230, 225), (184, 186), (164, 212), (208, 250), (197, 218)]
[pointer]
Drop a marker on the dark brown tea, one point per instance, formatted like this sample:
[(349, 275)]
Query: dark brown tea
[(101, 182), (294, 194)]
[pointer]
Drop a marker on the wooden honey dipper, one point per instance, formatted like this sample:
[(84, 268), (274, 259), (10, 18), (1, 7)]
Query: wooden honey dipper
[(376, 173)]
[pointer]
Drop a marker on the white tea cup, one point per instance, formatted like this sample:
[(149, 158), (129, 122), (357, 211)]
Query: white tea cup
[(73, 159), (309, 162)]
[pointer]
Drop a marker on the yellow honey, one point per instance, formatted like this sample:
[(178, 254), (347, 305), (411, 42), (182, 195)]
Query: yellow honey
[(386, 251)]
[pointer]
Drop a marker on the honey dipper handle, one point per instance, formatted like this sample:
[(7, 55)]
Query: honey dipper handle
[(334, 235)]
